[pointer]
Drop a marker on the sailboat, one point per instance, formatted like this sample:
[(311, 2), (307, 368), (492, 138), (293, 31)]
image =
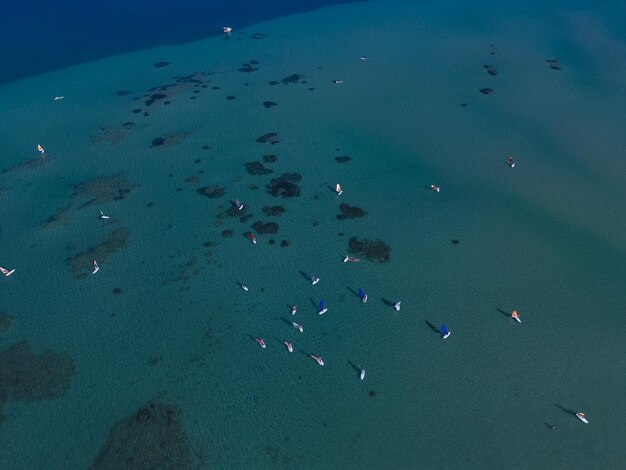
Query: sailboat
[(314, 279), (251, 237), (40, 149), (244, 287), (238, 204), (582, 417), (261, 342), (6, 272), (289, 346), (322, 308), (397, 305), (319, 360), (444, 332), (349, 259), (338, 189), (294, 310), (516, 316), (362, 295), (362, 374), (227, 29), (511, 162), (435, 188), (298, 327), (96, 268), (103, 215)]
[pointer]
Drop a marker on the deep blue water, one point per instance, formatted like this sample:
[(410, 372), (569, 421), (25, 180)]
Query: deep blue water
[(38, 36)]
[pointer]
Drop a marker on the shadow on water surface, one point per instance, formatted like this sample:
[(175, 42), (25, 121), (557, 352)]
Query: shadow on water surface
[(388, 303), (508, 315), (433, 327), (569, 411), (354, 292)]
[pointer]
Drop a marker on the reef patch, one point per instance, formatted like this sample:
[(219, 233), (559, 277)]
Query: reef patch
[(81, 263), (151, 438), (267, 228), (275, 211), (350, 212), (212, 192), (103, 189), (27, 376), (257, 168), (271, 137), (5, 322), (285, 186), (374, 250)]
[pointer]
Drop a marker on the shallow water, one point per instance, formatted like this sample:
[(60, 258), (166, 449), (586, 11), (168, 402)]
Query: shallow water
[(545, 238)]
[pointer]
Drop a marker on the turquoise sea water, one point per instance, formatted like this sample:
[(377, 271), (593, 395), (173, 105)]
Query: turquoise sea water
[(545, 238)]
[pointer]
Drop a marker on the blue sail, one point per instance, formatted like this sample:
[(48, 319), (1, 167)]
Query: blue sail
[(443, 329), (321, 305), (361, 294)]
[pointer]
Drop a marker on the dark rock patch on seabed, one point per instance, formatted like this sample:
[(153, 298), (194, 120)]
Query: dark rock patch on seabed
[(350, 212), (374, 250), (271, 137), (5, 322), (169, 140), (268, 228), (293, 78), (27, 376), (554, 64), (231, 97), (212, 192), (285, 243), (123, 92), (113, 134), (343, 159), (228, 233), (155, 97), (485, 91), (81, 263), (257, 168), (161, 63), (275, 211), (151, 438), (269, 104), (270, 158), (232, 212), (28, 164), (285, 185), (248, 67), (491, 69), (103, 189)]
